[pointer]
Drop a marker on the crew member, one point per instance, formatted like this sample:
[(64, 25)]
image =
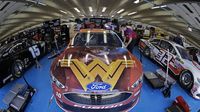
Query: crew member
[(129, 36)]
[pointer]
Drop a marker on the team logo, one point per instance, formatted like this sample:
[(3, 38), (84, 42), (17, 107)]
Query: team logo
[(98, 86), (86, 74)]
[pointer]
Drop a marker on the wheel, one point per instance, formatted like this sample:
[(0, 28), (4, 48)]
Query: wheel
[(1, 83), (17, 68), (147, 52), (186, 80)]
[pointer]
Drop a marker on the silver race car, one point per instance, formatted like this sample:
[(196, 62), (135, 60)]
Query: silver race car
[(181, 63)]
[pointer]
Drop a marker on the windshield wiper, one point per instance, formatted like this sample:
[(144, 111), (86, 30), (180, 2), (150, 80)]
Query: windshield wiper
[(87, 43)]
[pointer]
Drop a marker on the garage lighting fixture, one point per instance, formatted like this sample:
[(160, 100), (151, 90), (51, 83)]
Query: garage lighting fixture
[(156, 7), (77, 10), (36, 2), (163, 6), (42, 4), (104, 9), (190, 29), (112, 16), (31, 1), (132, 13), (63, 11), (101, 15), (120, 11), (136, 1), (90, 8)]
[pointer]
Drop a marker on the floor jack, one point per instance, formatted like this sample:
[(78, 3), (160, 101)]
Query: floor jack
[(19, 96), (160, 80)]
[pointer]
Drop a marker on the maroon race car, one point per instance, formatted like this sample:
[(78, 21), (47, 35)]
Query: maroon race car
[(96, 73)]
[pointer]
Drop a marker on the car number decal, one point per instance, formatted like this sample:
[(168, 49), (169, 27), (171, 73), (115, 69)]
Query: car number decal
[(35, 51), (162, 57)]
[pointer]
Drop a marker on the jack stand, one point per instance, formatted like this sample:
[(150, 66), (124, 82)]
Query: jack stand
[(38, 65)]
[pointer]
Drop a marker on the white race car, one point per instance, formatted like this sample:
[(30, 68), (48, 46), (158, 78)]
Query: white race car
[(180, 62)]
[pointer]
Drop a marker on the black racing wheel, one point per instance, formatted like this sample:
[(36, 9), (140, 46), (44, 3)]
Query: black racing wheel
[(1, 83), (17, 68), (186, 80)]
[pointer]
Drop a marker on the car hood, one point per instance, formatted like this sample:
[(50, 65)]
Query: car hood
[(82, 68), (192, 66)]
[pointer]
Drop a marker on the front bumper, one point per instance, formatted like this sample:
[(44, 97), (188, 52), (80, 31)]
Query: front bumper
[(67, 104), (95, 108), (195, 91)]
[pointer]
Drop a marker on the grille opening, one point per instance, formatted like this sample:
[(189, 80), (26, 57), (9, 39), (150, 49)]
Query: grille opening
[(100, 99), (188, 8), (4, 6)]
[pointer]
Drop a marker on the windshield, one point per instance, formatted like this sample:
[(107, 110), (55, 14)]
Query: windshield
[(97, 39), (184, 53)]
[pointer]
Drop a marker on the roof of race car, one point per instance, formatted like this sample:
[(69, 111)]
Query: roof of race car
[(94, 30), (173, 43)]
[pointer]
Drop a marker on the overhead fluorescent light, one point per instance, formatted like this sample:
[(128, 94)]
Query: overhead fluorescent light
[(132, 13), (42, 3), (136, 1), (77, 10), (190, 29), (90, 9), (92, 15), (101, 15), (120, 11), (104, 9), (162, 6), (63, 11), (112, 16), (37, 2), (31, 1), (156, 7), (182, 36)]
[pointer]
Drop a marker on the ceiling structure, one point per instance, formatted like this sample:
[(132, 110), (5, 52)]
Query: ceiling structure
[(176, 16)]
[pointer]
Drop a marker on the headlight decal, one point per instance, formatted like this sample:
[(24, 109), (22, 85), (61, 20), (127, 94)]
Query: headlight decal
[(140, 80), (58, 83)]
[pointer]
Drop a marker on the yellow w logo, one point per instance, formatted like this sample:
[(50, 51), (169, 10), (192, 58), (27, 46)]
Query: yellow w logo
[(87, 73)]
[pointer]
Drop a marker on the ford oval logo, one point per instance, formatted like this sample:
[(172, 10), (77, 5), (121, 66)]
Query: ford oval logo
[(98, 86)]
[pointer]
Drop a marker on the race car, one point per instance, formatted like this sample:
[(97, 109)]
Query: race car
[(96, 73), (180, 62), (16, 56)]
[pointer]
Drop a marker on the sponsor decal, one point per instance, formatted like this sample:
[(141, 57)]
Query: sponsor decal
[(58, 95), (98, 86), (86, 74), (98, 107)]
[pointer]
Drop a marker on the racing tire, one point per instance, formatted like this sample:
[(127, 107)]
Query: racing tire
[(1, 84), (17, 68), (186, 80), (147, 52)]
